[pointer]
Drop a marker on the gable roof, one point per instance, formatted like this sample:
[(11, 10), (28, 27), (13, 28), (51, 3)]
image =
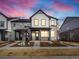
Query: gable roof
[(21, 20), (11, 18), (8, 18), (69, 24), (52, 17), (3, 15), (43, 13)]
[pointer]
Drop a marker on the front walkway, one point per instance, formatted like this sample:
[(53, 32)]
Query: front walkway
[(36, 43)]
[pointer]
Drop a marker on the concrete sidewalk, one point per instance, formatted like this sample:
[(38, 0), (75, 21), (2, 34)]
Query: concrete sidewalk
[(39, 57), (36, 44)]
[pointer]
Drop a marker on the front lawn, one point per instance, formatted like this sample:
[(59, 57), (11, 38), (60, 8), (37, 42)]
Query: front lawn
[(4, 43)]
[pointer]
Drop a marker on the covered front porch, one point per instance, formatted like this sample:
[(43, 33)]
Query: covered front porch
[(22, 34), (40, 34)]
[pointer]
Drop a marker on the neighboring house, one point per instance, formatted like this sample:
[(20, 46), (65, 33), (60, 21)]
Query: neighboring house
[(3, 25), (21, 29), (40, 26), (69, 31)]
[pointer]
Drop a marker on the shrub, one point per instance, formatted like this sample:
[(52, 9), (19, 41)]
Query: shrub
[(75, 37)]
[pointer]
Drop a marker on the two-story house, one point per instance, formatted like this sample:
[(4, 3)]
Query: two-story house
[(3, 25), (40, 27), (43, 27), (20, 29)]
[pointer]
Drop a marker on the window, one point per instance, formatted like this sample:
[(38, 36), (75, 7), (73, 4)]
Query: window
[(43, 22), (52, 22), (14, 25), (1, 23), (52, 33), (37, 33), (36, 22), (25, 26), (44, 33)]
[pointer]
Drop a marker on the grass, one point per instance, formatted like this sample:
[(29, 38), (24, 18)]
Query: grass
[(53, 44), (4, 43), (40, 52)]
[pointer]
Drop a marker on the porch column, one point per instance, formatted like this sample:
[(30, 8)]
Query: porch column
[(4, 35), (49, 34), (40, 35), (15, 35)]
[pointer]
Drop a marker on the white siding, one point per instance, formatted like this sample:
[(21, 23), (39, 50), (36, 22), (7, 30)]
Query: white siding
[(40, 17), (54, 37), (2, 18), (9, 26), (53, 20), (20, 25), (54, 29)]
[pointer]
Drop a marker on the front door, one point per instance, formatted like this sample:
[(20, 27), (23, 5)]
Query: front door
[(37, 35)]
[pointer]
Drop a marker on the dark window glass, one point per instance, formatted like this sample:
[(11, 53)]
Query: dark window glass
[(1, 23), (14, 25)]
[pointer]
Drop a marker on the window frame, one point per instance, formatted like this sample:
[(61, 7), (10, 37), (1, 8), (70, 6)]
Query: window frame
[(52, 22), (36, 24), (44, 32), (42, 22), (2, 24), (14, 24)]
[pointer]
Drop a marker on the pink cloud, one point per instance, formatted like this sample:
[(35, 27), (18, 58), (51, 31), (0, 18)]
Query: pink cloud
[(12, 7), (27, 3), (20, 3), (11, 11), (77, 1), (62, 7)]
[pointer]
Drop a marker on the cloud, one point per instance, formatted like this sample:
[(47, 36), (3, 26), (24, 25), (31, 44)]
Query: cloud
[(17, 7), (61, 6), (20, 3), (77, 1), (27, 3)]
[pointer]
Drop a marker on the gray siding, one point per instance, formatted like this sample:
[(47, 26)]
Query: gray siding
[(70, 24)]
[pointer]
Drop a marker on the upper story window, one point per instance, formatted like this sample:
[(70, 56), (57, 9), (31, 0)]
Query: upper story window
[(36, 22), (52, 22), (1, 23), (43, 22), (14, 25)]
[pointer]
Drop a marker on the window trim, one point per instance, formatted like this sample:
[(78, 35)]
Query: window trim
[(2, 24), (42, 22), (52, 21)]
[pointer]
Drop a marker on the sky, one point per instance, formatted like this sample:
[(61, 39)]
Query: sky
[(25, 8)]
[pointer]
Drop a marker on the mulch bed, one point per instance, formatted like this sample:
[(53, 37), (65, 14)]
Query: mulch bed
[(53, 44)]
